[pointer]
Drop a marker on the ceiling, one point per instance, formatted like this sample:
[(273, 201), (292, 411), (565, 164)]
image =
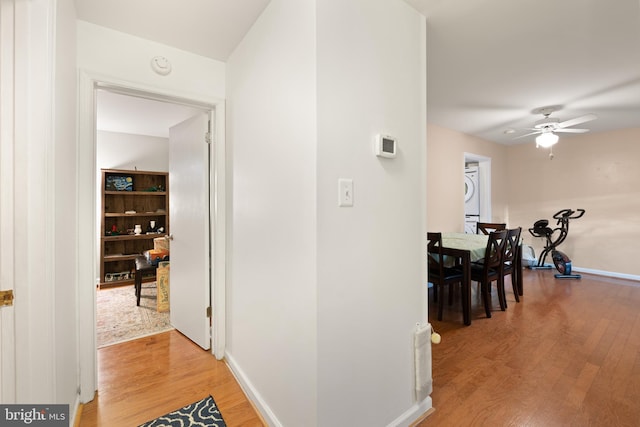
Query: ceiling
[(210, 28), (138, 116), (490, 63)]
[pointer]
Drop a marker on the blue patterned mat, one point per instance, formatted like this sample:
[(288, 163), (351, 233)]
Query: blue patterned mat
[(204, 413)]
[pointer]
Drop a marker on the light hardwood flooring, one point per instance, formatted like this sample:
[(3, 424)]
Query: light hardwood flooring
[(145, 378), (567, 355)]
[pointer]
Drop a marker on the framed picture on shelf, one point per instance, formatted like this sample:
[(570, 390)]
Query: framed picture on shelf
[(119, 183)]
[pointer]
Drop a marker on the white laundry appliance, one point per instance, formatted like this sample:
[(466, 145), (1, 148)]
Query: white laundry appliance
[(471, 199)]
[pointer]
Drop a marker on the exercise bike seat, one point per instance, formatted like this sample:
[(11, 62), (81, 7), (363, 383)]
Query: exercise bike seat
[(541, 228)]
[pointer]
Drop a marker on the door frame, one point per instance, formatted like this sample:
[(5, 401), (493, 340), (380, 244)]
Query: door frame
[(87, 244), (484, 182)]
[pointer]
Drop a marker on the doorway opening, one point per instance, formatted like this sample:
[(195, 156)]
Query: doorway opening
[(87, 213), (477, 195), (132, 136)]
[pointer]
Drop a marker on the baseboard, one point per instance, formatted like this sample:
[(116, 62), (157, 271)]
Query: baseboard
[(409, 418), (596, 272), (423, 417), (254, 397), (606, 273), (415, 413)]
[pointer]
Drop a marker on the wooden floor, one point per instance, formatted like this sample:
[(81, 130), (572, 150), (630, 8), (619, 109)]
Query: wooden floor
[(143, 379), (567, 355)]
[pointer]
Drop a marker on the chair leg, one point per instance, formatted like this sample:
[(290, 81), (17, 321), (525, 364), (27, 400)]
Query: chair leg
[(440, 307), (501, 294), (138, 285), (486, 298), (514, 283)]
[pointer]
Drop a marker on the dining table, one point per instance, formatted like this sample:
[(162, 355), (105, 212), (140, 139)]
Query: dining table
[(469, 248)]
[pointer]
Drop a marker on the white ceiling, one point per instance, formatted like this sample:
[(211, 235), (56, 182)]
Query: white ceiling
[(489, 62), (211, 28), (138, 116)]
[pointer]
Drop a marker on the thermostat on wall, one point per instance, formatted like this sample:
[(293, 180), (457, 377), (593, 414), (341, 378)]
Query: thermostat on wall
[(386, 146)]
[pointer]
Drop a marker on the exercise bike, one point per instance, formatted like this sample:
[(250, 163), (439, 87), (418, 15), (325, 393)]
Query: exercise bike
[(554, 238)]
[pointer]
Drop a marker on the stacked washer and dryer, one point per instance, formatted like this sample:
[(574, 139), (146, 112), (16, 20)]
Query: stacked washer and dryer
[(471, 199)]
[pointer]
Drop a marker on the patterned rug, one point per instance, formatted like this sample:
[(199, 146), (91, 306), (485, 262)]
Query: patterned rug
[(204, 413), (119, 319)]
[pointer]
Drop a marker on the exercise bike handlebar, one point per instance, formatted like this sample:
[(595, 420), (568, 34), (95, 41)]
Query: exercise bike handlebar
[(568, 214), (541, 228)]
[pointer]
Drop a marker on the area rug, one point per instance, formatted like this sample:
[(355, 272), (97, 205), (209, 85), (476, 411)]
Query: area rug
[(203, 413), (119, 319)]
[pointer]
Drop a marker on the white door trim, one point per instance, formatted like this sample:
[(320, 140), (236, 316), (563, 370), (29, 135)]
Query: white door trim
[(87, 240)]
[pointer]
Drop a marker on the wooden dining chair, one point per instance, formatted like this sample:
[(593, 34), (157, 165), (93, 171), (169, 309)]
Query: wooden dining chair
[(439, 275), (488, 227), (489, 269), (509, 260)]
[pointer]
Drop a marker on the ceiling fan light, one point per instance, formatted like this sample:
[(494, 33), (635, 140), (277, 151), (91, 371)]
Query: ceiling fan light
[(546, 139)]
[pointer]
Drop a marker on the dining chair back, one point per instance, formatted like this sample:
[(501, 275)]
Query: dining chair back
[(440, 275), (509, 259), (489, 269), (488, 227)]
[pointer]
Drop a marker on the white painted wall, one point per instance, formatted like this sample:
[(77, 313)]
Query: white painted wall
[(371, 272), (42, 211), (323, 301), (65, 202), (115, 150), (271, 129), (121, 56)]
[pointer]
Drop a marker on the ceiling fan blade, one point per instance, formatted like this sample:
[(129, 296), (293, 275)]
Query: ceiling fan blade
[(571, 130), (528, 134), (577, 120)]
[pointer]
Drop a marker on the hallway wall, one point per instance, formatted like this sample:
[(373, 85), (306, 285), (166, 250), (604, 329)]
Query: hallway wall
[(330, 295)]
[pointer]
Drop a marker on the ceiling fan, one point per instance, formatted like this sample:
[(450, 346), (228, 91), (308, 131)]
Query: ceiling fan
[(547, 127)]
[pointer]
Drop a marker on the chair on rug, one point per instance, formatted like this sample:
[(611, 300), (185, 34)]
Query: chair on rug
[(489, 269), (488, 227), (143, 266), (439, 275), (509, 260)]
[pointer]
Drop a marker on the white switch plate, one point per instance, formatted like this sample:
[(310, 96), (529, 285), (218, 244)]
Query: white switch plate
[(345, 192)]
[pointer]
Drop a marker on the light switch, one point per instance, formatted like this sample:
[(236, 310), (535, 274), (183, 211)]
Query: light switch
[(345, 192)]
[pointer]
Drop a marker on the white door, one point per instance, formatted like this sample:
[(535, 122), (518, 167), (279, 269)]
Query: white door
[(189, 282)]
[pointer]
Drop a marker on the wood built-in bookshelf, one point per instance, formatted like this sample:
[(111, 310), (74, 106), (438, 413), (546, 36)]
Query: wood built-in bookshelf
[(130, 198)]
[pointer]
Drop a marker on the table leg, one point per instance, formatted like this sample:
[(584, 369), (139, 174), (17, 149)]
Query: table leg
[(466, 287), (465, 258)]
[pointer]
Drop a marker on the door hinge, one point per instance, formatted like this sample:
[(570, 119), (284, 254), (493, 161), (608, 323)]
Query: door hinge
[(207, 137), (6, 298), (208, 311)]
